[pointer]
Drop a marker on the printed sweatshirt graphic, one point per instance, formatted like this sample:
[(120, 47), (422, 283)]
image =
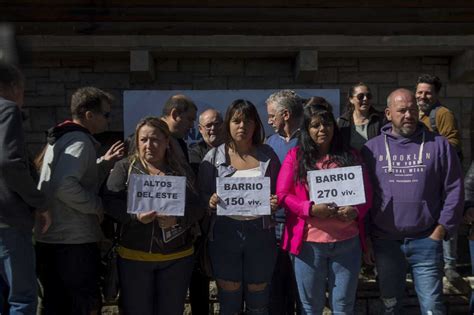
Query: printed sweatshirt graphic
[(417, 184)]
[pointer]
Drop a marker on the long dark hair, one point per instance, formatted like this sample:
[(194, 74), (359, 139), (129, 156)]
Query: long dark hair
[(308, 151), (247, 110)]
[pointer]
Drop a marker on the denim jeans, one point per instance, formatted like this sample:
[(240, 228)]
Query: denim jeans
[(450, 248), (17, 272), (424, 257), (243, 252), (154, 288), (332, 265)]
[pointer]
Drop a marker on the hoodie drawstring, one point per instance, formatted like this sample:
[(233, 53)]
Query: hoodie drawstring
[(387, 151), (420, 153), (389, 157)]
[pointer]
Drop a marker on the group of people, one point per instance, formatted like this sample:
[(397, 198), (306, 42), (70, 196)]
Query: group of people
[(280, 263)]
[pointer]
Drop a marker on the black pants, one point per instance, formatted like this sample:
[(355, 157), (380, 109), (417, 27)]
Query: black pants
[(199, 287), (283, 291), (69, 274)]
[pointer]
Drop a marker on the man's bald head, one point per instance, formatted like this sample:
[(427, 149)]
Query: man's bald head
[(179, 112), (402, 111), (211, 112), (400, 94), (210, 127)]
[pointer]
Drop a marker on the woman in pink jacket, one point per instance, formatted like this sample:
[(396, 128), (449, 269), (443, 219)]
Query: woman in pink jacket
[(325, 241)]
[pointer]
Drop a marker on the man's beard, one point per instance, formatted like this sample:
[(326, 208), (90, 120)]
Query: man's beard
[(425, 107)]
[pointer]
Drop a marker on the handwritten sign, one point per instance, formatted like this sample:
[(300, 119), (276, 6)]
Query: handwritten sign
[(245, 196), (344, 186), (164, 194)]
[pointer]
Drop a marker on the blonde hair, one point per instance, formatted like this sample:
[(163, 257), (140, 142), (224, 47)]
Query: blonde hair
[(158, 124)]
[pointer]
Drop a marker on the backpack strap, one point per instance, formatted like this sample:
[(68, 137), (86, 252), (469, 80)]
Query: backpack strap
[(433, 112)]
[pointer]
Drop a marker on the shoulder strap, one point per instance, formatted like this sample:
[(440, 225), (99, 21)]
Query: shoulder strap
[(433, 118), (129, 171)]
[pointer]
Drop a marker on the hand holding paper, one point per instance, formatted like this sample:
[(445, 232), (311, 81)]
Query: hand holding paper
[(274, 203), (323, 210), (146, 217), (347, 213), (213, 201)]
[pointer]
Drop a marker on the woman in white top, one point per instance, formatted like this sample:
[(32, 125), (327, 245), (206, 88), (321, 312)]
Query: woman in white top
[(242, 248)]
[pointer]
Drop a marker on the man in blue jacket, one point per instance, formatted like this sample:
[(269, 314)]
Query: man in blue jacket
[(418, 202), (19, 199)]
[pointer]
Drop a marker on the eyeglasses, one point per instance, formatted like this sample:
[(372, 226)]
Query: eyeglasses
[(106, 115), (361, 96)]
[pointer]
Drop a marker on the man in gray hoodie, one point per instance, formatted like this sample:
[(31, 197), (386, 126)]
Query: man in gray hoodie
[(71, 175), (19, 199)]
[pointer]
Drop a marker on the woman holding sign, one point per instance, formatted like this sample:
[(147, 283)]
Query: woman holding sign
[(156, 251), (324, 240), (242, 247)]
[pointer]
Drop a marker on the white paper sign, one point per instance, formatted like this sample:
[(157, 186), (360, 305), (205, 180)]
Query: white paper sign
[(164, 194), (246, 196), (344, 186)]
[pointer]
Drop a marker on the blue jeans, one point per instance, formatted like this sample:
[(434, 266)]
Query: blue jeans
[(336, 265), (450, 254), (425, 258), (243, 252), (17, 272), (154, 288)]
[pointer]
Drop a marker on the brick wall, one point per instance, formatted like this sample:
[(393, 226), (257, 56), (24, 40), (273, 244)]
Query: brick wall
[(51, 81)]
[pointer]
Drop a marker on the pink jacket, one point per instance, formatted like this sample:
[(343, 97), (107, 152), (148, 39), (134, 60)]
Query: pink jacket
[(295, 199)]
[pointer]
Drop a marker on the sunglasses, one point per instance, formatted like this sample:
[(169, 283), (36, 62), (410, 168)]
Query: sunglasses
[(106, 115), (361, 96)]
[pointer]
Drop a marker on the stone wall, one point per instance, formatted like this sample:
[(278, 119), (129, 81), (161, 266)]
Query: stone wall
[(50, 81)]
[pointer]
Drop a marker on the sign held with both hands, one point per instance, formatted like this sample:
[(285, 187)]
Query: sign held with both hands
[(343, 186), (164, 194), (245, 196)]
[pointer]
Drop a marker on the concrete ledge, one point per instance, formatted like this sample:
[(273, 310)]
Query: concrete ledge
[(419, 45)]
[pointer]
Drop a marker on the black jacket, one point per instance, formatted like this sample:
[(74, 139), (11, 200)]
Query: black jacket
[(197, 151), (147, 237), (345, 123), (18, 193)]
